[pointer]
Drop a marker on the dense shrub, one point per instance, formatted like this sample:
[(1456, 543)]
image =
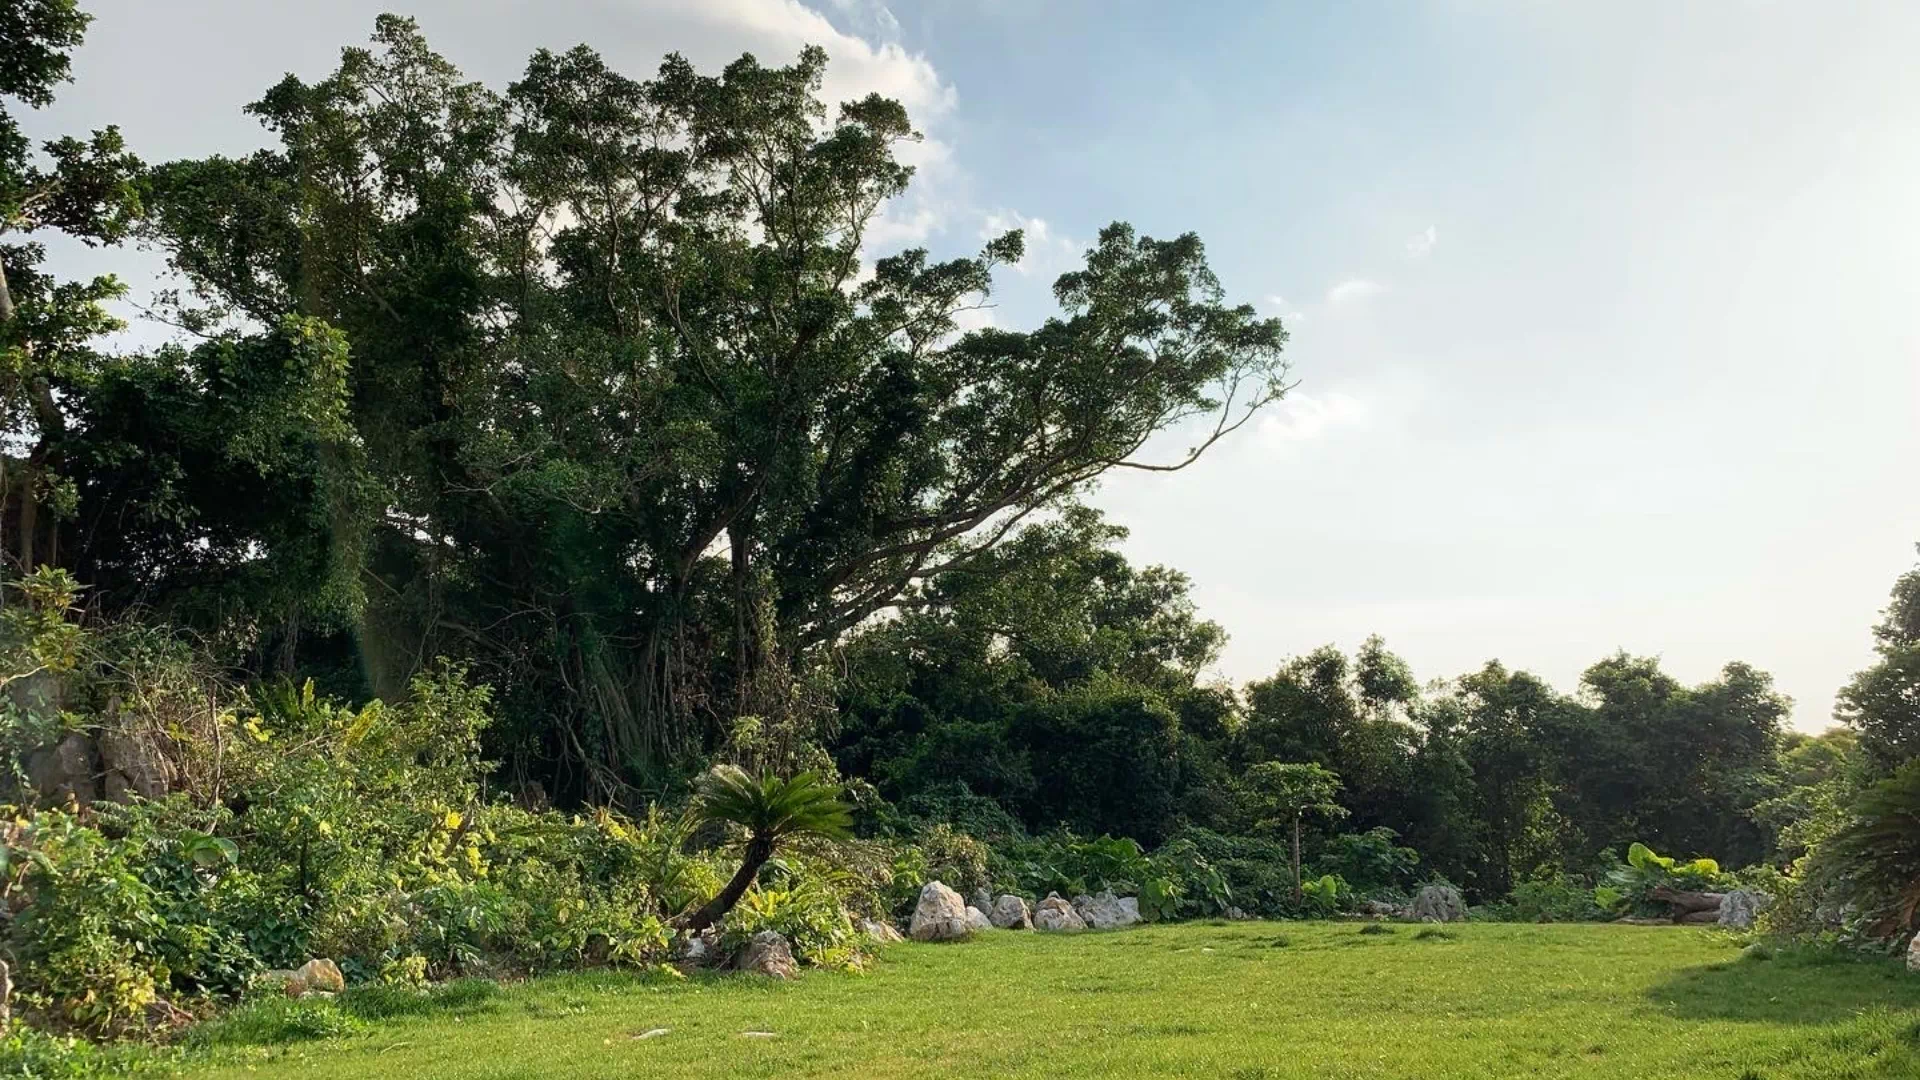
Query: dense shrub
[(1370, 861), (1552, 897)]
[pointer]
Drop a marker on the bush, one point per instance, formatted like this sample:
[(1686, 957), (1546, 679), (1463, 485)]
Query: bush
[(1551, 897), (1646, 871), (1370, 861)]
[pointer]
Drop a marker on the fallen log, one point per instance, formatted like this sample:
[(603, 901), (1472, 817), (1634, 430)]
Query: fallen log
[(1699, 918), (1685, 903)]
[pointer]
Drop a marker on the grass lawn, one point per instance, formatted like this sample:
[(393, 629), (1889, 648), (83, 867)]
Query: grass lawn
[(1218, 1000)]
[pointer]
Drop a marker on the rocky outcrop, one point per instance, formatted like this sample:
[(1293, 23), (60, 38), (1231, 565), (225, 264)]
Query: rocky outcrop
[(767, 953), (1056, 914), (940, 915), (65, 771), (1740, 908), (1105, 911), (1011, 913), (131, 764), (1438, 903), (977, 919)]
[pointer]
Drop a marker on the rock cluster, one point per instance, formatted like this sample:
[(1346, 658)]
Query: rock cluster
[(1056, 914), (1107, 911)]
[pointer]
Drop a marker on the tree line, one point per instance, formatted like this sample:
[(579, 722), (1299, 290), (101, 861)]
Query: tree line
[(593, 385)]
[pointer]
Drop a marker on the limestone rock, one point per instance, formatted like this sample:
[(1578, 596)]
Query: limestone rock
[(1438, 903), (322, 975), (1054, 913), (940, 915), (1238, 914), (1010, 913), (980, 898), (64, 771), (767, 953), (1380, 909), (880, 931), (1741, 907), (701, 949), (1913, 954), (312, 977), (1106, 911), (977, 919), (131, 764)]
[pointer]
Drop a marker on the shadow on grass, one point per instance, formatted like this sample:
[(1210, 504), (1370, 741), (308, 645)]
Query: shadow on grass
[(277, 1021), (1794, 988)]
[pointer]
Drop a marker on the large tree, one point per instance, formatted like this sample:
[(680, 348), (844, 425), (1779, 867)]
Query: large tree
[(1882, 702), (649, 427), (86, 189)]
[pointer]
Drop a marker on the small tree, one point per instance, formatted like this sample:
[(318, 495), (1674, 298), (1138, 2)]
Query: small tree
[(1288, 792), (770, 810)]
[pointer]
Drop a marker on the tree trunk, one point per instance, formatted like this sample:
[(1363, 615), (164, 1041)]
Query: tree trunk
[(759, 850), (1298, 894)]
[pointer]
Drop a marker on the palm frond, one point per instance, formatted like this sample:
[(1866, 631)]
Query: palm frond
[(770, 807)]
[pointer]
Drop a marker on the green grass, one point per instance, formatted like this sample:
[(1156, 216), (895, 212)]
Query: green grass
[(1237, 1001)]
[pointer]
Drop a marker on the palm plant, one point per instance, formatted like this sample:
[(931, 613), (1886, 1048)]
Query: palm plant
[(771, 810), (1875, 861)]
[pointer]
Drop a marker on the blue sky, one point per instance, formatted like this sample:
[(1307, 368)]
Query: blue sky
[(1602, 314)]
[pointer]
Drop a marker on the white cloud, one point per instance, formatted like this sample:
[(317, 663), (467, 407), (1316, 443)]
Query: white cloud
[(1421, 245), (1049, 253), (1284, 308), (1353, 291), (1304, 417), (868, 59), (870, 18)]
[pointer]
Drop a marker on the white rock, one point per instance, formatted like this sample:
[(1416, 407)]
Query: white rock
[(1913, 954), (1107, 911), (1438, 903), (881, 932), (977, 919), (1740, 907), (940, 915), (767, 953), (1054, 913), (1011, 913)]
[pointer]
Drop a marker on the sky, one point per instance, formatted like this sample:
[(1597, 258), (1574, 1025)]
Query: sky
[(1602, 316)]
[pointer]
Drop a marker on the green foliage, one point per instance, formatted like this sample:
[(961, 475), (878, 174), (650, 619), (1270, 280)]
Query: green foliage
[(1871, 868), (1062, 862), (1646, 870), (1324, 896), (1551, 896), (1882, 702), (1370, 861), (768, 806), (805, 909), (32, 1054)]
